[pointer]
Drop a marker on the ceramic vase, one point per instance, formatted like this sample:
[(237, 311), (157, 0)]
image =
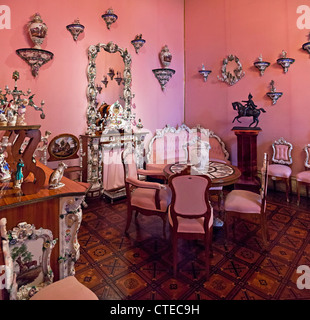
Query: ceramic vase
[(37, 30), (165, 57)]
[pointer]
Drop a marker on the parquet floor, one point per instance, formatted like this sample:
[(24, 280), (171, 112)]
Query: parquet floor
[(139, 267)]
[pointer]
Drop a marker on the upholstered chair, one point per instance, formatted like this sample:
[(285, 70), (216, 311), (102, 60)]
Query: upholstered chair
[(280, 168), (303, 177), (147, 198), (190, 213), (248, 205), (28, 275)]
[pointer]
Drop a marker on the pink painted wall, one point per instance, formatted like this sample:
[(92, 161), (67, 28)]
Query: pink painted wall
[(248, 28), (62, 82)]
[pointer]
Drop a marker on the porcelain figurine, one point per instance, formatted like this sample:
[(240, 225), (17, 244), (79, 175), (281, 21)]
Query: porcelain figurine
[(37, 30), (56, 176), (19, 177), (165, 56), (5, 174), (3, 119), (20, 121)]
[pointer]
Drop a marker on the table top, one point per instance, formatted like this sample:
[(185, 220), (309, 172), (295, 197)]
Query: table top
[(10, 197), (221, 174)]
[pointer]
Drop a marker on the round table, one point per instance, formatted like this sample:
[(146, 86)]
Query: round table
[(221, 174)]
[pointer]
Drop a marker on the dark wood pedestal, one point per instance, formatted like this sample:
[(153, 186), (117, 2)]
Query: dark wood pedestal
[(247, 158)]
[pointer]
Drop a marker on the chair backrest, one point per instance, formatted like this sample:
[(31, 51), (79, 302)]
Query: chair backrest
[(307, 160), (27, 254), (129, 163), (190, 198), (264, 180), (282, 151)]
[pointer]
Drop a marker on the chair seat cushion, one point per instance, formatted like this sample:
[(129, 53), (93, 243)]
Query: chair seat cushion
[(191, 225), (303, 176), (145, 198), (66, 289), (279, 170), (243, 201)]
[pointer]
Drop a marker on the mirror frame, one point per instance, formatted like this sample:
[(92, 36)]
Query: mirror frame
[(227, 76), (92, 113)]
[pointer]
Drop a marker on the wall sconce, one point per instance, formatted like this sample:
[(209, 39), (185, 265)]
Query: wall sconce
[(109, 17), (36, 57), (75, 29), (163, 75), (273, 95), (99, 88), (205, 73), (261, 65), (138, 42), (111, 73), (105, 81), (285, 62), (118, 78), (306, 46)]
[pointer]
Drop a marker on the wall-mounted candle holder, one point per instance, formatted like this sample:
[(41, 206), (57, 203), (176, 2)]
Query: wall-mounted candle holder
[(111, 73), (306, 46), (285, 62), (75, 29), (261, 65), (273, 95), (105, 81), (138, 42), (118, 78), (109, 17), (205, 73)]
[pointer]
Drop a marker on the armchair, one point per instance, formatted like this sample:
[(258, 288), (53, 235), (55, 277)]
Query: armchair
[(281, 161), (247, 205), (190, 213), (147, 198)]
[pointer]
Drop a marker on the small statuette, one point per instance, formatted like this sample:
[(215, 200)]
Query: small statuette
[(19, 177), (56, 176), (5, 174)]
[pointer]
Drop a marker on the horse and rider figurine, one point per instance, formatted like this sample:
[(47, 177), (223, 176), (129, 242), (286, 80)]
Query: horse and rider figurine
[(249, 109)]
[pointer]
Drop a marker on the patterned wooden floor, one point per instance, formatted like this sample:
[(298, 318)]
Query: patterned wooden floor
[(139, 267)]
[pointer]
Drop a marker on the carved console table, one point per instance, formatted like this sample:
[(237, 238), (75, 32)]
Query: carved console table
[(58, 210), (95, 161)]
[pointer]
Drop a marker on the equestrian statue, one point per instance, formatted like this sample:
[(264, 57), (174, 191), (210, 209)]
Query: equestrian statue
[(249, 109)]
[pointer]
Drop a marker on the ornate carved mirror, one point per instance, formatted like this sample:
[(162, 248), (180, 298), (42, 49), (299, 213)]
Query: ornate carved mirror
[(97, 70)]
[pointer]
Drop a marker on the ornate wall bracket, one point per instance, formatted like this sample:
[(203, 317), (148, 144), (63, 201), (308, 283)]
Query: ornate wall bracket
[(285, 62), (261, 65), (163, 75), (138, 42), (227, 76), (273, 95), (205, 73), (109, 17), (75, 29)]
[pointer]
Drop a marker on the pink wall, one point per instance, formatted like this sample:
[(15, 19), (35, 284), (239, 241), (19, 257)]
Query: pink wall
[(248, 28), (62, 82)]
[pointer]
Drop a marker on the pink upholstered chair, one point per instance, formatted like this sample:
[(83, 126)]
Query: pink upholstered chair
[(148, 198), (281, 161), (303, 177), (247, 205), (28, 274), (190, 213)]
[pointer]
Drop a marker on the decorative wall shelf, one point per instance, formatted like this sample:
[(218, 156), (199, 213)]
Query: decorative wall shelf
[(306, 46), (75, 29), (261, 65), (109, 17), (163, 75), (205, 73), (285, 62), (138, 42), (273, 95)]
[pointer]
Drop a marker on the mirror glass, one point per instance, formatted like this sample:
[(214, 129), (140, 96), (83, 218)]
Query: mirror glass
[(103, 58)]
